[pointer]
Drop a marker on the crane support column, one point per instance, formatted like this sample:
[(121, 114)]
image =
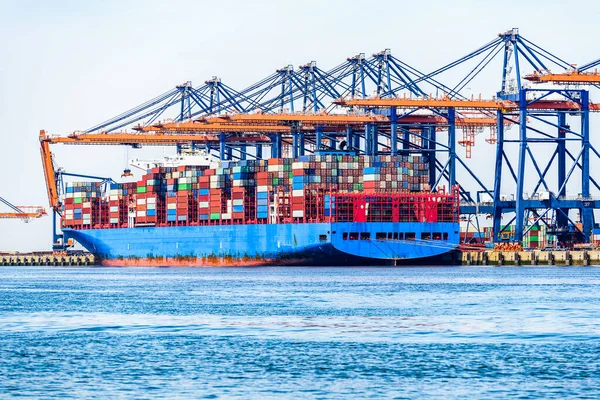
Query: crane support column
[(587, 213), (279, 146), (222, 145), (349, 136), (319, 137), (295, 144), (520, 201), (406, 142), (561, 217), (393, 131), (497, 215), (259, 151), (368, 140), (432, 156), (301, 144), (356, 144), (275, 146), (375, 139), (243, 151)]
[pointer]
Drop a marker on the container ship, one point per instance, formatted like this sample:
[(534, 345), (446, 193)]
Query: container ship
[(322, 209)]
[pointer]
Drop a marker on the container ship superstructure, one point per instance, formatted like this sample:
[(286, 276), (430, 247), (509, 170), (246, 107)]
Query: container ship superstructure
[(332, 208)]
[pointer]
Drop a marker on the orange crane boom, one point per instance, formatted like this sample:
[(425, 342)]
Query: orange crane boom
[(573, 77), (502, 105), (153, 139), (404, 102), (49, 174), (305, 118), (212, 128)]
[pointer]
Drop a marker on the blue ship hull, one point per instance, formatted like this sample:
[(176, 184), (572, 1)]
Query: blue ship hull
[(372, 243)]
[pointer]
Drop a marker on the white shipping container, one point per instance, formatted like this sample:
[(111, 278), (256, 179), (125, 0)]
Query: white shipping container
[(298, 165), (114, 220), (171, 206), (298, 193), (113, 197), (114, 209), (151, 200), (298, 213), (238, 202), (262, 188), (141, 201), (175, 174), (203, 204), (141, 213), (226, 216)]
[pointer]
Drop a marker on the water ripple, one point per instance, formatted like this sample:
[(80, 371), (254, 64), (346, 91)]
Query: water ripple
[(324, 333)]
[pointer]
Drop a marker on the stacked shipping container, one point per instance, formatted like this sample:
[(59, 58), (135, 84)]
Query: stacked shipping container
[(277, 190)]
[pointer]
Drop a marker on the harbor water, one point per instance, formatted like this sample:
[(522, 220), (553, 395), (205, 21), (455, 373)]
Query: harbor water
[(327, 333)]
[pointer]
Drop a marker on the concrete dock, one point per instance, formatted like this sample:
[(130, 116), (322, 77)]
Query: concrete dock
[(532, 257), (47, 259)]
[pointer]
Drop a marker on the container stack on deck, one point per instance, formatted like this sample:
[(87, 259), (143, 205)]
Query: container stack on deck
[(82, 205), (278, 190)]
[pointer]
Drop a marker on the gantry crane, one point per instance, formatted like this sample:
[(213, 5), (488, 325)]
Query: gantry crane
[(25, 213), (401, 113)]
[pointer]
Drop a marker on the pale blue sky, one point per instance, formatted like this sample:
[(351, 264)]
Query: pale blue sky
[(66, 65)]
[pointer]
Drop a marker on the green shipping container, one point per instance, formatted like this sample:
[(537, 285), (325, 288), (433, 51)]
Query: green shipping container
[(275, 181), (141, 189), (215, 216), (78, 200), (184, 186)]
